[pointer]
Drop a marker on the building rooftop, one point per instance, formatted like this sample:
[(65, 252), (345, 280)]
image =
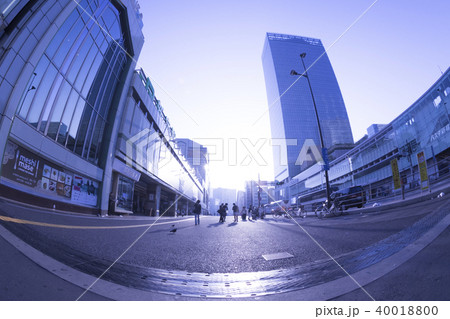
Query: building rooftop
[(296, 38)]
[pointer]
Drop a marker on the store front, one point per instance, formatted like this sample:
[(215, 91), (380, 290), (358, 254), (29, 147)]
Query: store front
[(121, 198), (27, 172)]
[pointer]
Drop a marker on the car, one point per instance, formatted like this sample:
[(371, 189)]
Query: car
[(277, 207), (354, 196), (312, 200)]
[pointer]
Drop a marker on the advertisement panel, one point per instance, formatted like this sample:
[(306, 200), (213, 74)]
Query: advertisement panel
[(396, 174), (84, 191), (24, 167), (422, 169)]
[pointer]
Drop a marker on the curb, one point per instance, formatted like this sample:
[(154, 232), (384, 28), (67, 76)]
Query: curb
[(401, 203)]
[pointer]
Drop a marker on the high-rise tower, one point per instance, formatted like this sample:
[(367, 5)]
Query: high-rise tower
[(291, 109)]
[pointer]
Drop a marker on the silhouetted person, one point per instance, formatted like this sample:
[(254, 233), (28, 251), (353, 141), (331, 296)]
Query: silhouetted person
[(235, 212), (225, 212), (197, 211), (244, 213), (250, 212)]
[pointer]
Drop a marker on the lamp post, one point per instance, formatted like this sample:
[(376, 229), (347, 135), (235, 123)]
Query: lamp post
[(31, 87), (324, 151)]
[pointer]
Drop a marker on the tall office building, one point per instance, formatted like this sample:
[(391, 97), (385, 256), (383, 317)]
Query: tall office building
[(196, 155), (255, 195), (292, 116)]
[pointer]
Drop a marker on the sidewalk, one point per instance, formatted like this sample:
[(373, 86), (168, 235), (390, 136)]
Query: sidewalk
[(395, 202), (24, 280), (429, 266), (115, 216)]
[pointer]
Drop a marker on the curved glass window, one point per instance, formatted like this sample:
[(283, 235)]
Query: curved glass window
[(70, 93), (67, 116), (34, 82)]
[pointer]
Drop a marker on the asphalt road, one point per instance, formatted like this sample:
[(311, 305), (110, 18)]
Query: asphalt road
[(212, 246), (91, 243)]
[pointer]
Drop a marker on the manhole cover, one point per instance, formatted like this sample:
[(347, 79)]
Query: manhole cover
[(277, 256)]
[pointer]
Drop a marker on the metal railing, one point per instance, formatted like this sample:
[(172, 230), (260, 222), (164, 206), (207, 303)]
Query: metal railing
[(383, 191), (411, 186)]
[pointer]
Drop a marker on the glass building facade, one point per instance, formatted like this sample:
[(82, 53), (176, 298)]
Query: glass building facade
[(147, 144), (65, 69), (69, 94), (79, 127), (291, 110)]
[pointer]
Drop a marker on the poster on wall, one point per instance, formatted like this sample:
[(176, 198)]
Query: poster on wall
[(84, 190), (27, 168), (423, 169), (396, 174), (20, 165)]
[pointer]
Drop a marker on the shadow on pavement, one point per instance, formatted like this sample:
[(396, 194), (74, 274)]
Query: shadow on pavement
[(215, 224)]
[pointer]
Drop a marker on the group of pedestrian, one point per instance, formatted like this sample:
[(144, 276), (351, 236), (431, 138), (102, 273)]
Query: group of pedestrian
[(222, 211), (252, 213)]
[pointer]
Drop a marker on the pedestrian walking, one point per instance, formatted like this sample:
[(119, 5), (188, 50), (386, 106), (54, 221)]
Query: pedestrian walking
[(301, 212), (197, 211), (220, 211), (244, 213), (255, 214), (263, 212), (225, 212), (235, 213), (250, 212)]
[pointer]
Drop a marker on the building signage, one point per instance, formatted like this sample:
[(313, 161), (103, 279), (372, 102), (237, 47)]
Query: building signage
[(24, 167), (396, 174), (423, 169), (439, 133), (20, 166)]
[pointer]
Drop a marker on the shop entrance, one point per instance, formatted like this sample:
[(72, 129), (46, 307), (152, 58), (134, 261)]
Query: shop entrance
[(167, 206), (139, 198)]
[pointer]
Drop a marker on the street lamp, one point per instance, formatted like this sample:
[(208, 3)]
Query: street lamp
[(31, 88), (324, 151)]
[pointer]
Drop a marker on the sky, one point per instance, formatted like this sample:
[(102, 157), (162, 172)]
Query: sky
[(204, 59)]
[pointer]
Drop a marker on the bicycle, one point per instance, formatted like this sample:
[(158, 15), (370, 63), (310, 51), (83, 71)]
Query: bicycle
[(335, 209), (279, 213)]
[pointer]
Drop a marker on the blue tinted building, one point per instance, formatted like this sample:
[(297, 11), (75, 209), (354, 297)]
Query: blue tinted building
[(80, 129), (64, 72), (291, 109), (151, 175)]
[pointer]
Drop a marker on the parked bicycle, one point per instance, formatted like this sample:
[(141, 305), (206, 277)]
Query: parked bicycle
[(335, 209), (279, 213)]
